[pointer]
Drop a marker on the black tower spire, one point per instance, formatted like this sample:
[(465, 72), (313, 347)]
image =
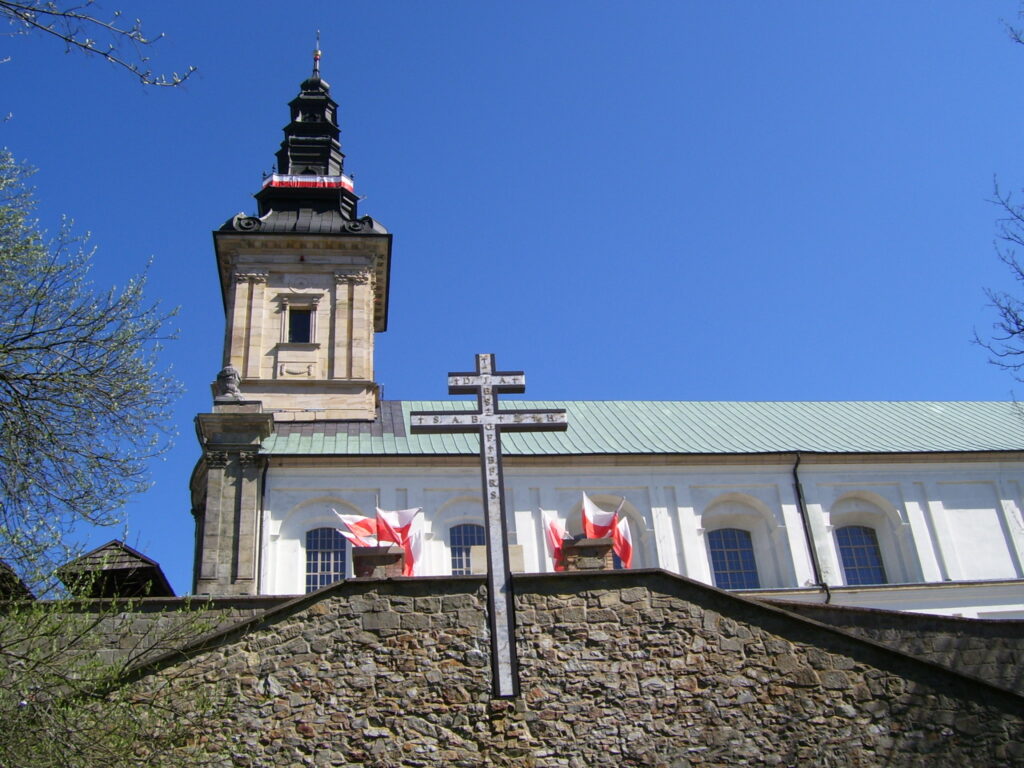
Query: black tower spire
[(310, 164)]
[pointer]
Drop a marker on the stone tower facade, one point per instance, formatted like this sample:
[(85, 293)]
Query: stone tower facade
[(305, 288), (305, 281)]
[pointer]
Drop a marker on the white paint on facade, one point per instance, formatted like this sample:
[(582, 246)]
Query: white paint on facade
[(950, 533)]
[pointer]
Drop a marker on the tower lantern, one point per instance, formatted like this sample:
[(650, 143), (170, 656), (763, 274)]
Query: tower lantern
[(305, 280)]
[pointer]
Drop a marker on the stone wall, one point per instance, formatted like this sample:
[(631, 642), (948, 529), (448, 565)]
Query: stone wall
[(131, 631), (992, 650), (617, 669)]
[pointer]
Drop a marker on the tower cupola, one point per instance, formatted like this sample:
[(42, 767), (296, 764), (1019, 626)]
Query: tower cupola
[(305, 280), (310, 169)]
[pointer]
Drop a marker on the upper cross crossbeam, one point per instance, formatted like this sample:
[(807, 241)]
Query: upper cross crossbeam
[(487, 383)]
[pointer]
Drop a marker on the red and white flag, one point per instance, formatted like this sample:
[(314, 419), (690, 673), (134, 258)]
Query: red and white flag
[(361, 531), (554, 532), (598, 524), (622, 540), (404, 527)]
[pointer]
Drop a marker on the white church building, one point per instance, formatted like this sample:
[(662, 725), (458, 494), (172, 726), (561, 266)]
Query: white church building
[(912, 506)]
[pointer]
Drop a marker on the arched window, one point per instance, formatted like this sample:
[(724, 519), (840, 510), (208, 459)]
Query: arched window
[(753, 543), (325, 558), (460, 539), (860, 556), (732, 559)]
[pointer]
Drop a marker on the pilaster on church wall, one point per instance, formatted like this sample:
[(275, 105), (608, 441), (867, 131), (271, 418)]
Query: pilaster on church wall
[(238, 322), (246, 556), (1010, 501), (694, 558), (352, 350), (341, 356), (362, 326), (822, 535), (208, 567), (915, 500), (803, 568), (529, 527), (256, 313), (665, 539)]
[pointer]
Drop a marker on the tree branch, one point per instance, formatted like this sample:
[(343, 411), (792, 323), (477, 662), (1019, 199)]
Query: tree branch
[(77, 28)]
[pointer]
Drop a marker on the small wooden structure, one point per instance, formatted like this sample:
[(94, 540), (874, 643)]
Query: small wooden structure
[(11, 585), (114, 570)]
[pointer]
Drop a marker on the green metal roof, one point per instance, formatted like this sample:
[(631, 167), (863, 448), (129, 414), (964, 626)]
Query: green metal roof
[(664, 427)]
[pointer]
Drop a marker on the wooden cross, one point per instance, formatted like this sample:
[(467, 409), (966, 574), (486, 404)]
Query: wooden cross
[(486, 382)]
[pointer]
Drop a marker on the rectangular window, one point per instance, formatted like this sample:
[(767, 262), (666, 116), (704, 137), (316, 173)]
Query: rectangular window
[(325, 558), (860, 555), (732, 559), (461, 539), (300, 326)]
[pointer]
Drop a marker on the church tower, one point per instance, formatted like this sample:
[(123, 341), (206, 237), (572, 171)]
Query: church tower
[(305, 281), (305, 288)]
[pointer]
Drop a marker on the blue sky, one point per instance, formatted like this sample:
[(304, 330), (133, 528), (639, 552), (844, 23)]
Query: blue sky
[(628, 200)]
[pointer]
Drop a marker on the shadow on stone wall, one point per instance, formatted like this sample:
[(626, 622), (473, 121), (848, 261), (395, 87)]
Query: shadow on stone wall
[(992, 650)]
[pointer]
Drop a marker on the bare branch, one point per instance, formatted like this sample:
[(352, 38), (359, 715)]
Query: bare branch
[(83, 403), (118, 41)]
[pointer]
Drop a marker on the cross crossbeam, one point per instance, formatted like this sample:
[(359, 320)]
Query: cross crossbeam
[(489, 421)]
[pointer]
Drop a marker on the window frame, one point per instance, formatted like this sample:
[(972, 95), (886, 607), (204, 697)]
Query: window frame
[(315, 579), (298, 303), (893, 532), (294, 313), (716, 551), (461, 551), (849, 555)]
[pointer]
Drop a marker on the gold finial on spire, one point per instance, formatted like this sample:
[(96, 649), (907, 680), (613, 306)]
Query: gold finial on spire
[(316, 56)]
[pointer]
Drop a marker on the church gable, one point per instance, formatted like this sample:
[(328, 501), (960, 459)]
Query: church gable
[(639, 668)]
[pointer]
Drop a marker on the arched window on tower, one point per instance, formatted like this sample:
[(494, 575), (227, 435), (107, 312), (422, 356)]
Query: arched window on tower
[(325, 558), (732, 559), (860, 555), (461, 538)]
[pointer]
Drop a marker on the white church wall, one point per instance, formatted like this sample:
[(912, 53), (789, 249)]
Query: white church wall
[(935, 522), (978, 540)]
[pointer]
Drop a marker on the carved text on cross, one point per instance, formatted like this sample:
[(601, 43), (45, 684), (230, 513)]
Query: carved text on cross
[(489, 421)]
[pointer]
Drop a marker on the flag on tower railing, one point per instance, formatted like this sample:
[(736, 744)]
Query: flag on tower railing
[(598, 524), (554, 533)]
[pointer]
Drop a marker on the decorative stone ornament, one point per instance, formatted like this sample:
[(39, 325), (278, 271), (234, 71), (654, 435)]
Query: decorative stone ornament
[(227, 383)]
